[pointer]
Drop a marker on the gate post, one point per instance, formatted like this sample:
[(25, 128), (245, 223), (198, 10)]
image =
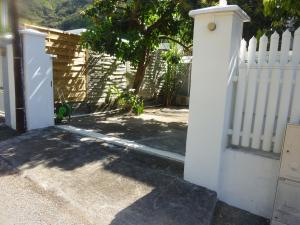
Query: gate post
[(38, 80), (216, 43), (8, 81)]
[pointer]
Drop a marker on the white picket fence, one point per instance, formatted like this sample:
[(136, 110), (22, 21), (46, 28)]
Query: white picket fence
[(267, 92)]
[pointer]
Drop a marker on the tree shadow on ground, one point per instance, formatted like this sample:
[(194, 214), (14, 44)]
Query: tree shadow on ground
[(168, 136), (56, 148), (170, 201), (169, 196), (6, 132)]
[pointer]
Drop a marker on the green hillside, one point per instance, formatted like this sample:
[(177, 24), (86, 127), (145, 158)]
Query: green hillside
[(61, 14)]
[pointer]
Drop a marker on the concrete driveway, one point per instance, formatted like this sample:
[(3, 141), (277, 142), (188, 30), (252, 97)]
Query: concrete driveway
[(160, 128), (52, 176), (106, 184)]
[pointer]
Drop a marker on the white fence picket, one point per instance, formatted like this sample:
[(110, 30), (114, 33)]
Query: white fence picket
[(239, 103), (271, 108), (295, 110), (285, 47), (252, 51), (250, 98), (262, 93), (296, 47), (260, 107), (273, 48), (243, 50), (262, 52), (283, 107)]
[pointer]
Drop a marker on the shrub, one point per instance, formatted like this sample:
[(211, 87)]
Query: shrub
[(128, 101)]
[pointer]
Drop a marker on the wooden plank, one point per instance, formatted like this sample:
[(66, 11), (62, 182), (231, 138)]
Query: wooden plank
[(47, 29), (239, 103), (273, 48), (262, 53), (296, 48), (283, 107), (64, 52), (62, 38), (68, 69), (285, 47), (271, 108), (251, 90), (70, 50), (68, 76), (260, 106), (250, 103), (295, 110), (243, 51), (252, 51)]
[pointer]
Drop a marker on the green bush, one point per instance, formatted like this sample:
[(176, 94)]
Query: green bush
[(173, 77), (128, 101)]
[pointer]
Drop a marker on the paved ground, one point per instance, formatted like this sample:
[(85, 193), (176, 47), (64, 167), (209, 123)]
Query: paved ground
[(228, 215), (5, 132), (164, 129), (24, 203), (54, 177), (106, 184)]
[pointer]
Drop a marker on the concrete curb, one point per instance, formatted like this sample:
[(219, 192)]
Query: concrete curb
[(124, 143)]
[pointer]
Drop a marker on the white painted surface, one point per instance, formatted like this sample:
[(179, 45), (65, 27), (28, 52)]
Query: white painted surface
[(215, 55), (38, 78), (124, 143), (221, 9), (7, 71), (287, 202), (248, 181), (9, 89)]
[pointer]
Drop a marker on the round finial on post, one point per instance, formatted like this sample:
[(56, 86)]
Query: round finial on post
[(222, 2)]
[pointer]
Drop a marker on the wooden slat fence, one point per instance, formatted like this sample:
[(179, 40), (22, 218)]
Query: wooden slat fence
[(87, 77), (267, 93)]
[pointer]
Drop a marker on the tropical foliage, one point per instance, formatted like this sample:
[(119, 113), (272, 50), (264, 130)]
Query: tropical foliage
[(131, 30)]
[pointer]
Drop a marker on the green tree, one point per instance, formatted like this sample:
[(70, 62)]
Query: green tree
[(132, 29), (284, 13)]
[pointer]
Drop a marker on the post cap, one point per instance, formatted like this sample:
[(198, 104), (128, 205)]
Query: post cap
[(33, 32), (5, 39), (221, 9)]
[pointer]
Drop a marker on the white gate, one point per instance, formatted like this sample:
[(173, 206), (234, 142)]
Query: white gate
[(267, 92)]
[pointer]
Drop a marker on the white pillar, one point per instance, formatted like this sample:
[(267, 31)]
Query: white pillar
[(217, 37), (38, 79), (8, 81)]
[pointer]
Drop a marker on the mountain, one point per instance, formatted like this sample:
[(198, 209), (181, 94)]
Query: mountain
[(60, 14)]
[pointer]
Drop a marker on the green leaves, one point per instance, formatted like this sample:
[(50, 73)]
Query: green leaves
[(127, 100), (126, 28)]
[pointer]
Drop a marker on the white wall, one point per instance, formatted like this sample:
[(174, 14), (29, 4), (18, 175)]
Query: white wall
[(248, 181)]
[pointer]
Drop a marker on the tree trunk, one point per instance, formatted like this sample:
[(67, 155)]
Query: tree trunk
[(140, 73)]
